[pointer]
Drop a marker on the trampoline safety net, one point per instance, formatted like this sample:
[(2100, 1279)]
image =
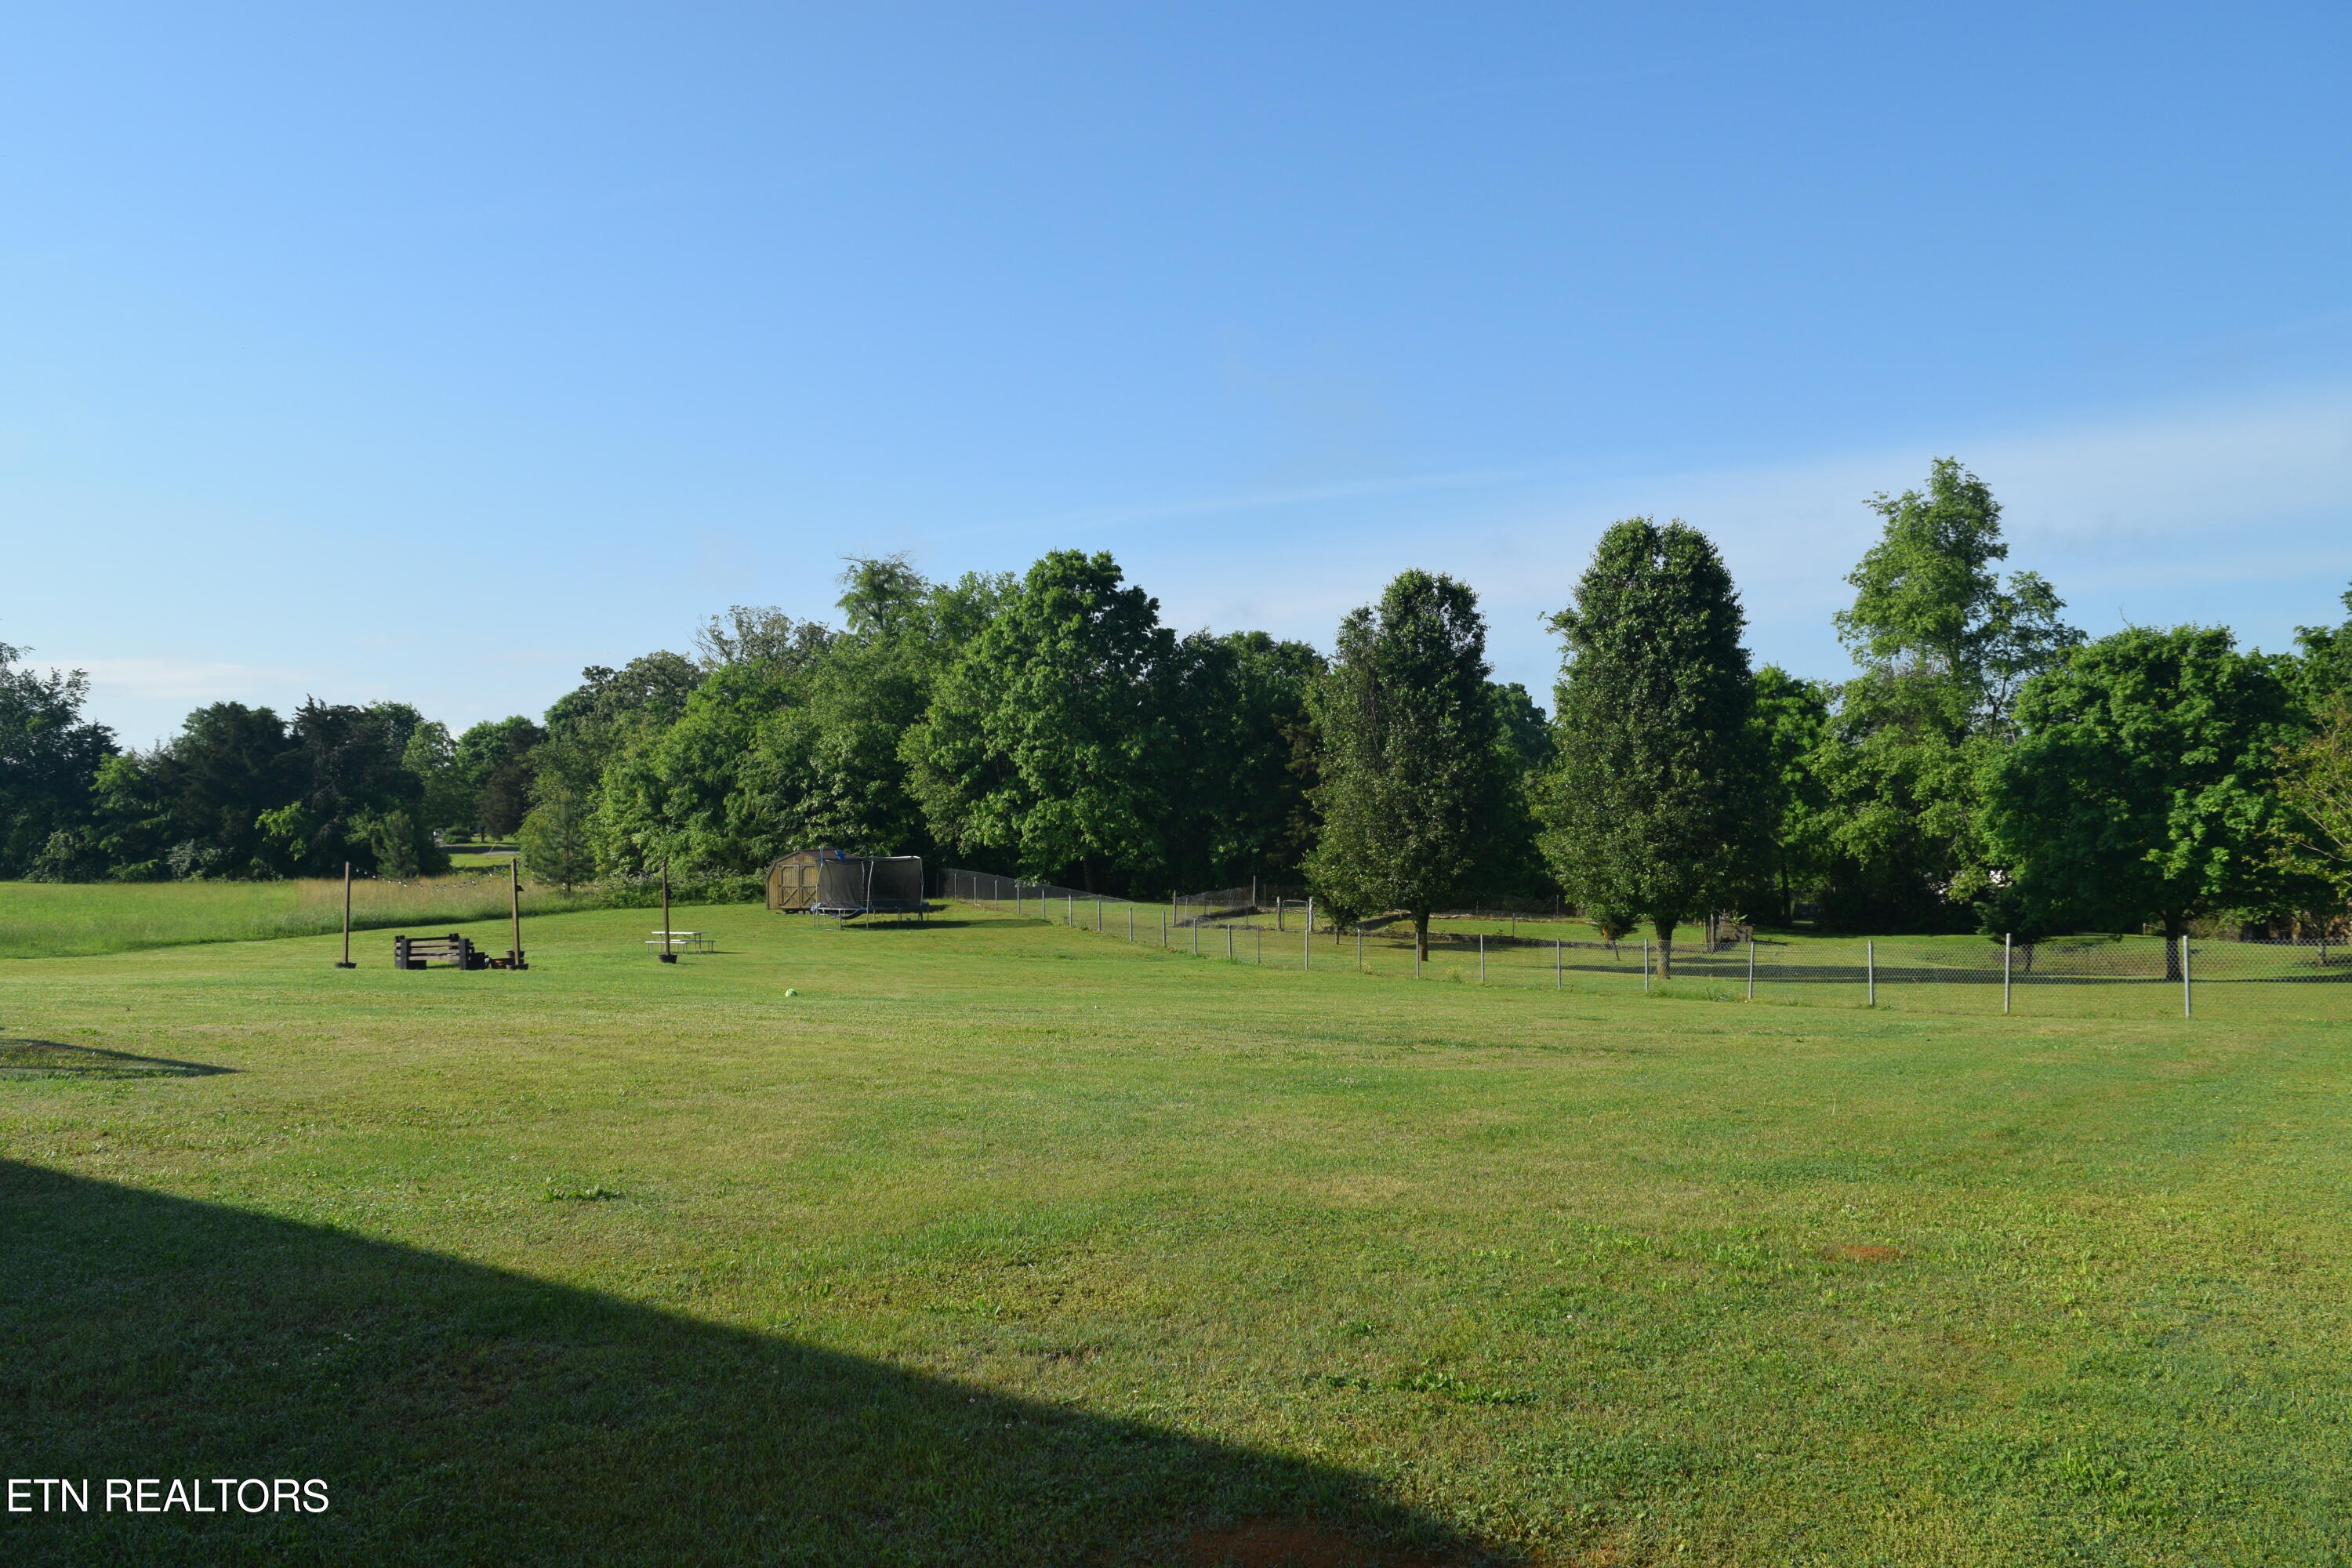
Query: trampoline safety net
[(870, 884)]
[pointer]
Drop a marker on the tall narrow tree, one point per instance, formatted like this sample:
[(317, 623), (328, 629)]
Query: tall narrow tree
[(1414, 782), (1657, 802), (1944, 645)]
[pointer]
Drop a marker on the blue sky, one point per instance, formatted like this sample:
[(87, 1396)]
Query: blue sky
[(437, 351)]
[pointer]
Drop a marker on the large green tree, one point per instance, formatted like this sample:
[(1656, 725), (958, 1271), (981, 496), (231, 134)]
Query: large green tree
[(1238, 769), (493, 764), (558, 834), (1039, 746), (1791, 718), (1415, 780), (2325, 665), (49, 759), (2142, 787), (1944, 643), (1657, 805), (2315, 788)]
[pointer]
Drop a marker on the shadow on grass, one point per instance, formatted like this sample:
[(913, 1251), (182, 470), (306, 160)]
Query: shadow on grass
[(47, 1059), (459, 1414)]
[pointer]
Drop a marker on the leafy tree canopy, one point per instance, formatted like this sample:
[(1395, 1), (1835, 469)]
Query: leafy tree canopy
[(2326, 663), (49, 759), (1926, 598), (2141, 787), (1657, 805), (1414, 782), (1039, 745)]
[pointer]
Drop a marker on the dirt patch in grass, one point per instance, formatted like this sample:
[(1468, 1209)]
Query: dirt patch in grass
[(1855, 1252)]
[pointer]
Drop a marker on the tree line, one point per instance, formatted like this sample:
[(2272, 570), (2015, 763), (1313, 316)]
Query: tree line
[(1987, 766)]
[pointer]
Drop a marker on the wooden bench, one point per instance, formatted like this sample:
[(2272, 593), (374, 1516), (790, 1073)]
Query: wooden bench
[(416, 952)]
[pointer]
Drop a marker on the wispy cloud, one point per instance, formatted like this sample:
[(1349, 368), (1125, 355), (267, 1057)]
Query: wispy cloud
[(2240, 514), (177, 680)]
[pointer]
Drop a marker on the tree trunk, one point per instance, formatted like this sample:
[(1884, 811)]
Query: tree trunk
[(1665, 930), (2176, 929)]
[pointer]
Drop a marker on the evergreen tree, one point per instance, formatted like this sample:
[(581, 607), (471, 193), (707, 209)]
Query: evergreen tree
[(1413, 779), (1657, 804), (557, 837)]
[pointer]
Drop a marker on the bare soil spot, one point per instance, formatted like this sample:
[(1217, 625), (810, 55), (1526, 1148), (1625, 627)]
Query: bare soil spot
[(1854, 1252)]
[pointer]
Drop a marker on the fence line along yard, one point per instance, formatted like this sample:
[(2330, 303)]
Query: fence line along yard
[(2075, 975)]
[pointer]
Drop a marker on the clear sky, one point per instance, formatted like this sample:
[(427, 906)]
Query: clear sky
[(435, 351)]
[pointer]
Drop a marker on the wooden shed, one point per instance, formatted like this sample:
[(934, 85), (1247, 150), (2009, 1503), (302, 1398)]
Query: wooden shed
[(793, 880)]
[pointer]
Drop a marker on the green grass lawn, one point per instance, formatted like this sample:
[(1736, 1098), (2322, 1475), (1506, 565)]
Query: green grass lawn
[(59, 919), (1006, 1243)]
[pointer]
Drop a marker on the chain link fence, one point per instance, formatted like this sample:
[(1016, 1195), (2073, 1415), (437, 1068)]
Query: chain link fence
[(2118, 976)]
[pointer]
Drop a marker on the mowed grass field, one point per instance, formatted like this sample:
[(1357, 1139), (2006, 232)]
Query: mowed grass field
[(1002, 1242), (62, 920)]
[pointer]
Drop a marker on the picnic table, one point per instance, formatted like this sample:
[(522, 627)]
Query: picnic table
[(682, 942)]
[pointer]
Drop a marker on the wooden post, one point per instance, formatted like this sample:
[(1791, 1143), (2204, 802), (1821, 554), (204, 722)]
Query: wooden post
[(669, 951), (514, 910), (347, 963)]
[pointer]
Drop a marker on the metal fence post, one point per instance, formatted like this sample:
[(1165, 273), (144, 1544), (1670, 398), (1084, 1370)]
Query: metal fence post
[(1229, 943), (1555, 963), (1071, 914), (1645, 966), (2007, 942), (1870, 971), (1259, 932), (2187, 998), (1482, 958), (1751, 968), (1131, 924), (1307, 946), (1359, 950), (1196, 939)]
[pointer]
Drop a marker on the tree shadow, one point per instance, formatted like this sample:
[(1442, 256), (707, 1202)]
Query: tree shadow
[(462, 1414), (50, 1059)]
